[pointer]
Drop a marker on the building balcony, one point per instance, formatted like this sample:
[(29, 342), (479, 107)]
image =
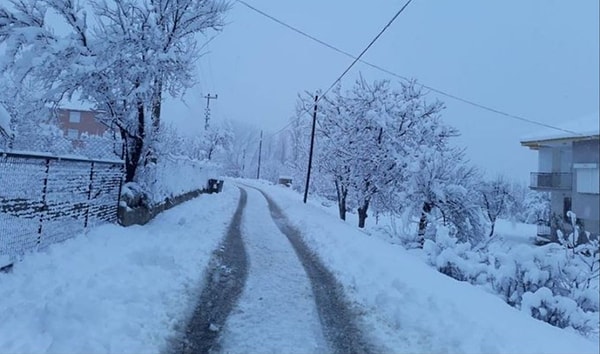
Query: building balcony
[(551, 181)]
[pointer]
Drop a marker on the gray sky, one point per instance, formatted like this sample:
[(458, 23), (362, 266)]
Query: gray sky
[(534, 58)]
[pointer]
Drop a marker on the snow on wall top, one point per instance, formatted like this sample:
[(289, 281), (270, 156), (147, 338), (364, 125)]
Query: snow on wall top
[(5, 121), (585, 126)]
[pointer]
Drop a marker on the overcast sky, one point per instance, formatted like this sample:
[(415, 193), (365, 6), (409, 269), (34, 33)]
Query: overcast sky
[(534, 58)]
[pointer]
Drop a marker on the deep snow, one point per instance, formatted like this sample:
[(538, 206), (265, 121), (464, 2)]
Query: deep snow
[(409, 306), (117, 290)]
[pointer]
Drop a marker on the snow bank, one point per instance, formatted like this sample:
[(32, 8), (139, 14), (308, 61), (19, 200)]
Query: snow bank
[(113, 290), (176, 175), (412, 307)]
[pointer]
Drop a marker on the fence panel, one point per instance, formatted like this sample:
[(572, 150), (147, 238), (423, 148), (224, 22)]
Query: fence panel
[(46, 199)]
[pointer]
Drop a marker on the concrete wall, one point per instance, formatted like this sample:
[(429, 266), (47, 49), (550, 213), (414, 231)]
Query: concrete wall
[(555, 159), (557, 200), (586, 151), (587, 206), (545, 159), (142, 215)]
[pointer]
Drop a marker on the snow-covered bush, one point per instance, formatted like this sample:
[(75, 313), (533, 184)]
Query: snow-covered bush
[(520, 270), (557, 283), (174, 175), (133, 196), (454, 258), (177, 164), (559, 311), (536, 207)]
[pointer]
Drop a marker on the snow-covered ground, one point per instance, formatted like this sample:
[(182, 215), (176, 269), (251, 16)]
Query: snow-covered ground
[(117, 290), (409, 306), (114, 290)]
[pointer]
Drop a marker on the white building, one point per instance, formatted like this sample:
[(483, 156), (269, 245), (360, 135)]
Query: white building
[(568, 168)]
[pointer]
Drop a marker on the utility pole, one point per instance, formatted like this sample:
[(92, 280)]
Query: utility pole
[(243, 163), (310, 154), (259, 153), (207, 111)]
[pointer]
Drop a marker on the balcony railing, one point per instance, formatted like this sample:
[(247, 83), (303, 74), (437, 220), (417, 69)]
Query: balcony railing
[(551, 180)]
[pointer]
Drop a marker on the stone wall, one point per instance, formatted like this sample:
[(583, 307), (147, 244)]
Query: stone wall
[(143, 214)]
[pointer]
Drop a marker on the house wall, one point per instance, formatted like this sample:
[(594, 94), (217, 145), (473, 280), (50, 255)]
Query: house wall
[(586, 151), (587, 205), (88, 123), (557, 199), (545, 159), (554, 159), (565, 159)]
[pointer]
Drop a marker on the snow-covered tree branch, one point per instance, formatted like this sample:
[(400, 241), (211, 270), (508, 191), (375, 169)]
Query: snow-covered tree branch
[(120, 55)]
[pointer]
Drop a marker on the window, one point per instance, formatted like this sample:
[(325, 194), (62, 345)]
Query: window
[(74, 117), (588, 179), (73, 133)]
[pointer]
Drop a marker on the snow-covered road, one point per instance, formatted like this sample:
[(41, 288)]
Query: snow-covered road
[(276, 312), (290, 301), (224, 282)]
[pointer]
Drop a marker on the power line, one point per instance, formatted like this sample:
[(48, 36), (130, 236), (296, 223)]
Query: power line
[(356, 59), (377, 67), (367, 48)]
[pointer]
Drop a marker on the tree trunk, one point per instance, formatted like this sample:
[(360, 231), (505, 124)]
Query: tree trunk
[(492, 230), (342, 193), (135, 145), (423, 223), (156, 105), (362, 214)]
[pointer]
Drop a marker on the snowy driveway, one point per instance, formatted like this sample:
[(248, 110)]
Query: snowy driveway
[(290, 301)]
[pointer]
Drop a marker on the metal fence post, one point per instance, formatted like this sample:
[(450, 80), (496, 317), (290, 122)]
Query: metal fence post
[(89, 199), (122, 169), (44, 205)]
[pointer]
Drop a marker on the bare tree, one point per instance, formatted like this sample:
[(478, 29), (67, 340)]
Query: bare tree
[(495, 200)]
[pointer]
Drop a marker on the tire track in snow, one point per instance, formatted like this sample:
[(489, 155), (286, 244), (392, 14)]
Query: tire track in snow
[(338, 321), (223, 286), (276, 312)]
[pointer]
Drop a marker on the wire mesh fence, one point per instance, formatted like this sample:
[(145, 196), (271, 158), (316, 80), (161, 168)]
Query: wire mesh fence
[(48, 199)]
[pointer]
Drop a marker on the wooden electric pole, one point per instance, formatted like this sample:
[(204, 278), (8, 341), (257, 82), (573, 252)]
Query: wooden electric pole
[(259, 153), (310, 154), (243, 163), (207, 111)]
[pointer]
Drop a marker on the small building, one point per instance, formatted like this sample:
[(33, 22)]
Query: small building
[(74, 122), (568, 168)]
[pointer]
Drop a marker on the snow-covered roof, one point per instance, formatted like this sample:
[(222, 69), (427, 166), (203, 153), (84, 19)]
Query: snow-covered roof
[(584, 127), (76, 104)]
